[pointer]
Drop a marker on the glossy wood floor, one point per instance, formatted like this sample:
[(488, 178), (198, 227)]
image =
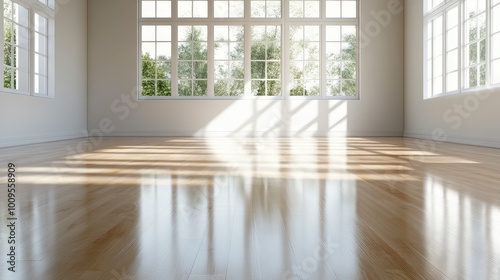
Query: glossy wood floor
[(184, 208)]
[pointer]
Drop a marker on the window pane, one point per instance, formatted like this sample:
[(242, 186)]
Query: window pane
[(307, 9), (304, 60), (495, 46), (192, 9), (148, 9), (156, 60), (495, 19), (265, 9), (228, 56), (41, 24), (341, 71), (341, 9), (266, 60), (495, 71), (164, 9), (229, 9), (192, 60)]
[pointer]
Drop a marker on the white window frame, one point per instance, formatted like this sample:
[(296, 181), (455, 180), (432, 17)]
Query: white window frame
[(247, 21), (441, 10), (46, 9)]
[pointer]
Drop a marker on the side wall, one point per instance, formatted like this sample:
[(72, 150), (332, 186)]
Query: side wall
[(113, 77), (471, 118), (25, 119)]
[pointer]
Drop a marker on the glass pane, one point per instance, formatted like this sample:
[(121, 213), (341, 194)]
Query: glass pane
[(495, 71), (148, 88), (221, 9), (164, 88), (40, 24), (164, 9), (185, 9), (495, 46), (333, 9), (148, 50), (200, 9), (148, 33), (163, 33), (148, 9), (495, 19), (163, 51), (185, 88), (311, 9), (148, 69), (349, 9), (452, 61), (236, 9), (40, 65), (452, 82), (268, 9)]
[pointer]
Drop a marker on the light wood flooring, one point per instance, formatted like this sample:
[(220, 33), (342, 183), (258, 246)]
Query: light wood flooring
[(257, 208)]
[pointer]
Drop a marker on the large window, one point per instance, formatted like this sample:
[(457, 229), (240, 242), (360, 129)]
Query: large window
[(462, 43), (248, 49), (28, 40)]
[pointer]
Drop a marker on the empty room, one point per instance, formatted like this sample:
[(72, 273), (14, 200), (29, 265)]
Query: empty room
[(250, 139)]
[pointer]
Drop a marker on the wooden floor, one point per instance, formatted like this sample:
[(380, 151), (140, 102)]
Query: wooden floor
[(185, 208)]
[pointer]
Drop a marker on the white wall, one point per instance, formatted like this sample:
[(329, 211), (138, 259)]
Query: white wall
[(471, 118), (25, 119), (113, 73)]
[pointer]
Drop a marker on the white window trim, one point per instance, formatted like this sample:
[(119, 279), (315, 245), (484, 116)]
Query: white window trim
[(285, 21), (441, 10), (47, 11)]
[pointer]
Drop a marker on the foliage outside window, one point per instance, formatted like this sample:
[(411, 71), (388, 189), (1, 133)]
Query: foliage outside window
[(233, 49), (462, 39)]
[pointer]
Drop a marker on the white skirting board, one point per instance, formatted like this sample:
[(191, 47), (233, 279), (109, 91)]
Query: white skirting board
[(41, 138), (491, 143)]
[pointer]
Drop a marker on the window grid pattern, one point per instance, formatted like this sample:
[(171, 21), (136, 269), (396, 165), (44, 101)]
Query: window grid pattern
[(475, 43), (229, 60), (156, 64), (462, 45), (28, 63), (341, 60), (304, 60), (452, 49), (192, 8), (265, 9), (192, 60), (229, 9), (254, 63), (16, 47), (341, 9), (266, 60), (304, 9), (156, 9), (41, 55)]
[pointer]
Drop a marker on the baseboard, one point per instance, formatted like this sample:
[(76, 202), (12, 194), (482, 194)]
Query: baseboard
[(40, 138), (490, 143), (255, 134)]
